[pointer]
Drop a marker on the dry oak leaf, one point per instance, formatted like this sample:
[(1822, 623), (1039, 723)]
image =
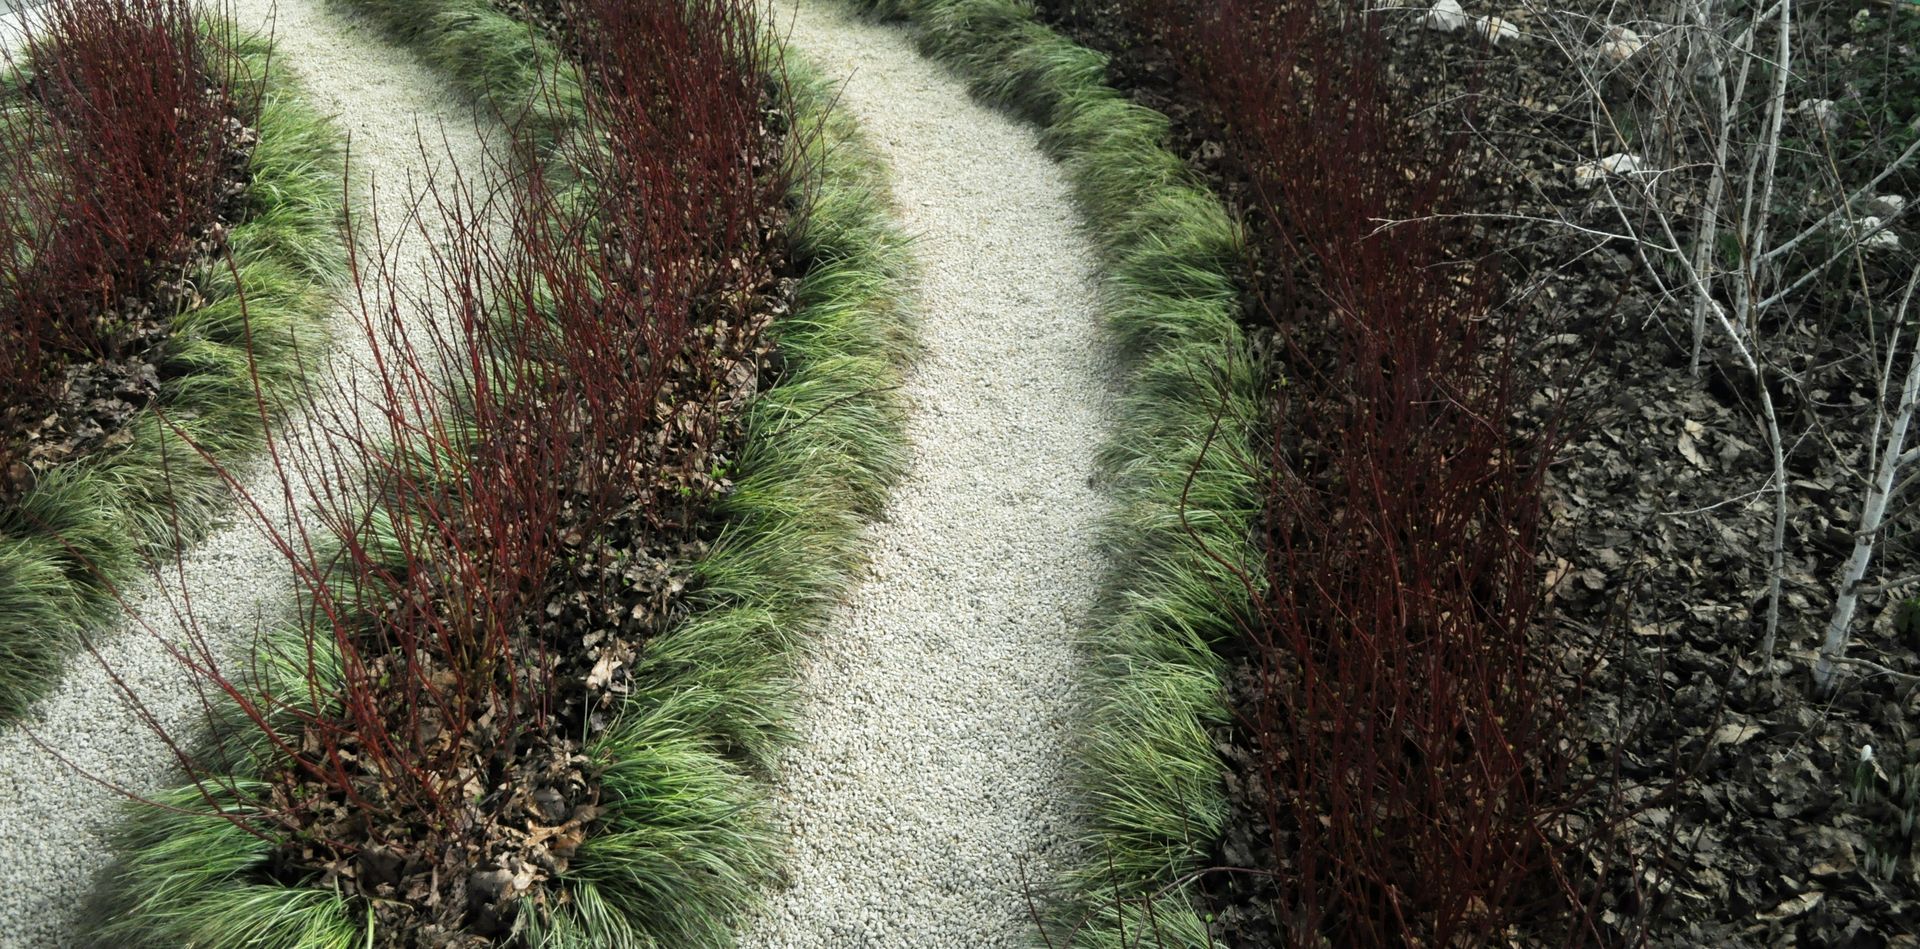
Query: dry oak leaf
[(1795, 906)]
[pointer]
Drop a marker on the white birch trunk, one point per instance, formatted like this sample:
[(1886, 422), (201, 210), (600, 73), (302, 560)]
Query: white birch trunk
[(1873, 512)]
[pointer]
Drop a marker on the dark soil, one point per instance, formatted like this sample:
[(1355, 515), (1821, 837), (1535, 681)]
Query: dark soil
[(98, 394), (1723, 804)]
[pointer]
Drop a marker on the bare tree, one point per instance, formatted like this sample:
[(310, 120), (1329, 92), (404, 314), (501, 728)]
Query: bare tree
[(1708, 100)]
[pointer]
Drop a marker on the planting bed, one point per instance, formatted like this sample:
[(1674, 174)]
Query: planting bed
[(1379, 769), (543, 650), (196, 243), (102, 267)]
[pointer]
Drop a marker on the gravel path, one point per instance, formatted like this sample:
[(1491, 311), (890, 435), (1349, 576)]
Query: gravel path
[(53, 821), (926, 786), (14, 17)]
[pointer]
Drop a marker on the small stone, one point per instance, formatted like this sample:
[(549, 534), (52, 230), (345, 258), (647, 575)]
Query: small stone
[(1498, 30), (1620, 44), (1446, 16)]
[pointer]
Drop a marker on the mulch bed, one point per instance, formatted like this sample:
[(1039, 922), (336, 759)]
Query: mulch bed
[(1730, 805), (88, 409)]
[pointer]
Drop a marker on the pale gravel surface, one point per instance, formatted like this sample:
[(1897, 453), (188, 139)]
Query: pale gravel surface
[(926, 786), (14, 17), (9, 11), (52, 822)]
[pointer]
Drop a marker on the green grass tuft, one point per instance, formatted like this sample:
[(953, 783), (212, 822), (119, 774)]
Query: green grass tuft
[(1185, 467), (92, 526), (192, 870)]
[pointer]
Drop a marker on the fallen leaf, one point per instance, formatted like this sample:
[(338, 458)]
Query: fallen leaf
[(602, 672), (1691, 451), (1795, 906)]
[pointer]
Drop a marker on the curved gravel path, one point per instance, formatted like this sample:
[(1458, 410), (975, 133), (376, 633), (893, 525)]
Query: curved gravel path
[(53, 821), (926, 787)]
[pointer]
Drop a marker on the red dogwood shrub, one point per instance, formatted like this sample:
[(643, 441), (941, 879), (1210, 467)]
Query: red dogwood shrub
[(589, 330), (113, 174), (1403, 738)]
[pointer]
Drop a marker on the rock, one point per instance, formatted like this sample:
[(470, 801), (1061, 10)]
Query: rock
[(1591, 173), (1498, 30), (1446, 16)]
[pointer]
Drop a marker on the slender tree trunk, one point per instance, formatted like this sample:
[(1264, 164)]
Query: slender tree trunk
[(1872, 513), (1777, 560)]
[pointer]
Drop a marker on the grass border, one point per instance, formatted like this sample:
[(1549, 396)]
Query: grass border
[(91, 527), (686, 844), (1184, 465), (495, 60)]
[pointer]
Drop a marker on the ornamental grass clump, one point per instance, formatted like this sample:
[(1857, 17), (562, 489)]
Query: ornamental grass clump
[(493, 542), (1400, 738), (120, 153)]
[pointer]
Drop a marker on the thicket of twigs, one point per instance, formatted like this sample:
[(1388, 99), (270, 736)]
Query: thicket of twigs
[(114, 168), (494, 541), (1401, 735)]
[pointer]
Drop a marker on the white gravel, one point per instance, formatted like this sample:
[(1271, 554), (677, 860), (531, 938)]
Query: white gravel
[(15, 15), (52, 821), (925, 791)]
